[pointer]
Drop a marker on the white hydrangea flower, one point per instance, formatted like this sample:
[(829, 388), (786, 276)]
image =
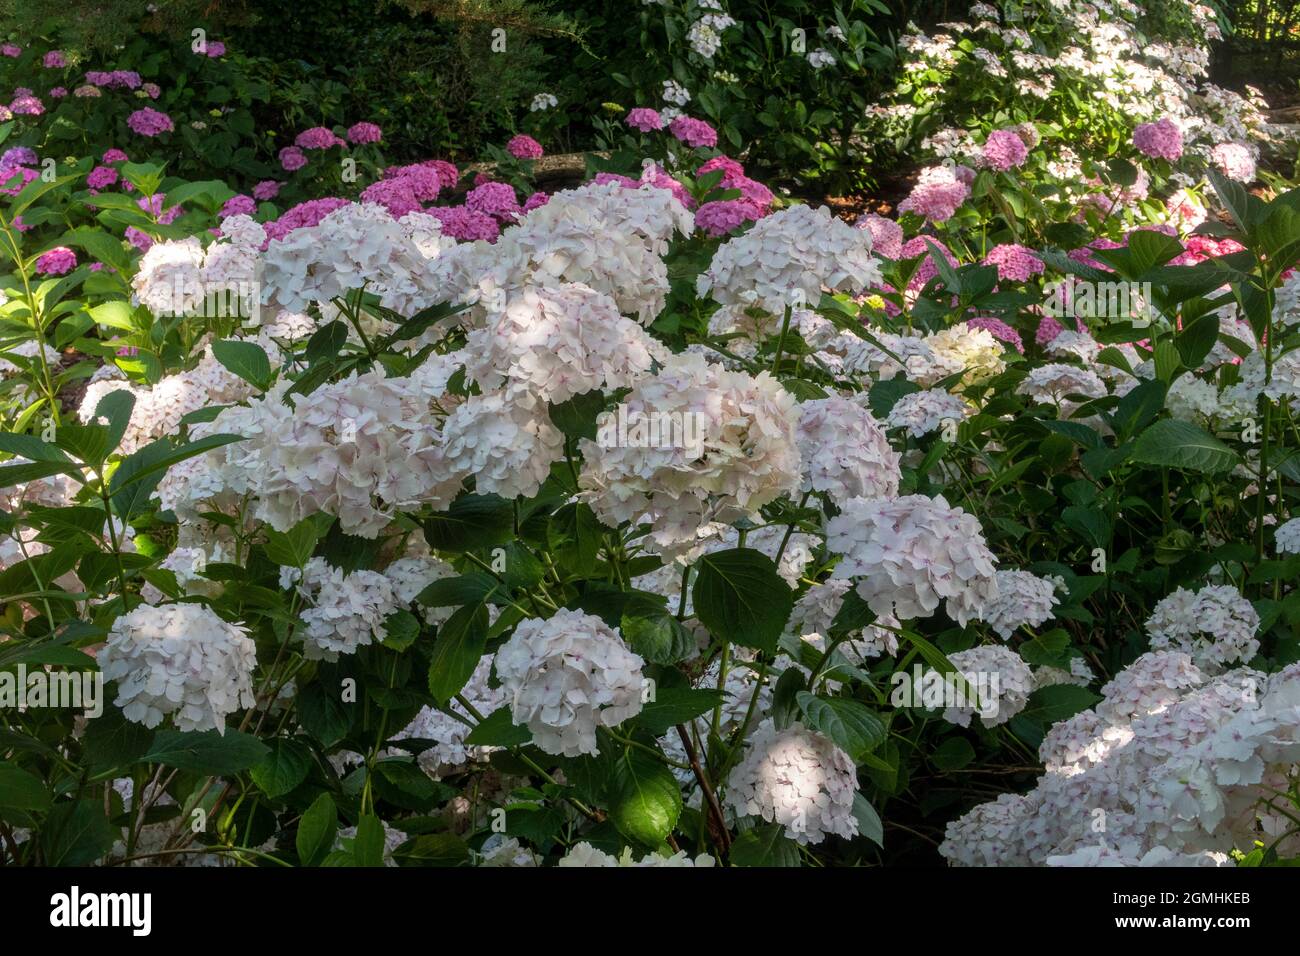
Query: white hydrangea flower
[(1023, 599), (1215, 625), (922, 412), (583, 854), (182, 661), (815, 611), (504, 439), (449, 752), (726, 446), (845, 451), (347, 609), (786, 259), (798, 778), (565, 677), (968, 348), (1051, 384), (999, 681), (908, 554), (560, 342), (1286, 539)]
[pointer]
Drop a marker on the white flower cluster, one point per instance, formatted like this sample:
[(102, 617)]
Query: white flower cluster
[(1215, 625), (176, 277), (920, 413), (998, 685), (1054, 383), (970, 349), (1023, 599), (786, 259), (449, 752), (559, 342), (845, 451), (347, 609), (907, 554), (1286, 539), (731, 449), (798, 778), (815, 611), (505, 440), (1174, 766), (182, 661), (584, 854), (565, 677)]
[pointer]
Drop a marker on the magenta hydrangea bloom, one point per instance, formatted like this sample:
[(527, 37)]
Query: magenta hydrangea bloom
[(57, 262), (1232, 159), (694, 132), (11, 50), (644, 119), (999, 330), (936, 195), (886, 235), (1159, 140), (117, 79), (140, 240), (215, 48), (535, 200), (19, 156), (149, 122), (292, 159), (1004, 150), (927, 270), (362, 133), (1015, 263), (58, 92), (467, 225), (724, 216), (16, 178), (54, 60), (114, 156), (266, 190), (395, 195), (447, 172), (1048, 329), (600, 179), (318, 137), (152, 90), (101, 177), (26, 105), (303, 215), (497, 200), (524, 147), (656, 177), (239, 205), (730, 168), (423, 179), (154, 205), (1084, 254)]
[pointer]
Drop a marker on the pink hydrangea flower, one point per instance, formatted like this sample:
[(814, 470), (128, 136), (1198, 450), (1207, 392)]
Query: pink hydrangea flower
[(1159, 140), (524, 147), (927, 270), (999, 330), (467, 225), (58, 92), (266, 190), (24, 176), (19, 156), (11, 50), (149, 122), (26, 105), (425, 181), (57, 262), (292, 159), (239, 205), (215, 48), (535, 200), (1004, 150), (937, 194), (886, 235), (644, 119), (693, 132), (600, 179), (724, 216), (101, 177), (303, 216), (318, 137), (54, 60), (656, 177), (496, 200), (152, 90), (1232, 159), (395, 195), (362, 133), (1015, 263), (1048, 329), (140, 240)]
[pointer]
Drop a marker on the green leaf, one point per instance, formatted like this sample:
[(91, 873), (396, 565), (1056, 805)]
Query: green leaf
[(953, 754), (245, 359), (869, 824), (208, 752), (323, 713), (113, 741), (316, 831), (472, 522), (1197, 339), (368, 844), (740, 597), (1172, 443), (1058, 702), (294, 547), (433, 849), (853, 728), (285, 766), (138, 474), (473, 588), (574, 534), (676, 705), (77, 833), (659, 638), (766, 846), (457, 650), (20, 790), (497, 730), (644, 799)]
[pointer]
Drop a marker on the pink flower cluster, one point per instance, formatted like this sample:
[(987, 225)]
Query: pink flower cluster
[(425, 180), (57, 262), (114, 80), (361, 133), (266, 190), (999, 330), (395, 195), (149, 122), (1232, 159), (239, 205), (465, 224), (101, 177), (644, 119), (938, 192), (1015, 263), (1004, 150), (693, 132), (292, 159), (886, 235), (318, 137), (524, 147), (303, 216), (54, 60), (1159, 140), (497, 200)]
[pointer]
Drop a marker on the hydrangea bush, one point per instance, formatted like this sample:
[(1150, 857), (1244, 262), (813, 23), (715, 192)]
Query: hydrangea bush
[(662, 520)]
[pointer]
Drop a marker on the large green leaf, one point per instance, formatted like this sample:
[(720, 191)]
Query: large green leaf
[(457, 651), (316, 831), (644, 798), (740, 597), (1172, 443), (853, 728), (209, 752)]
